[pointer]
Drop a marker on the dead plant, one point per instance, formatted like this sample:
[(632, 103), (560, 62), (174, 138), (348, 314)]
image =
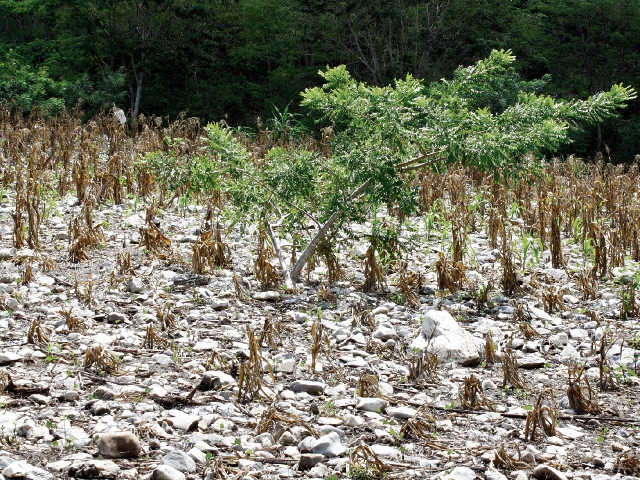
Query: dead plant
[(167, 319), (408, 282), (582, 398), (209, 252), (509, 279), (472, 397), (419, 427), (250, 375), (27, 274), (627, 463), (271, 418), (241, 293), (541, 417), (318, 343), (84, 294), (552, 300), (450, 275), (511, 376), (606, 380), (272, 332), (363, 459), (153, 340), (587, 283), (373, 277), (264, 271), (489, 349), (101, 359), (334, 270), (503, 459), (37, 334), (425, 364), (152, 239), (74, 324)]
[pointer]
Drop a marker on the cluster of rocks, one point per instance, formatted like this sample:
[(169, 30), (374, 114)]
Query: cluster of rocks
[(173, 411)]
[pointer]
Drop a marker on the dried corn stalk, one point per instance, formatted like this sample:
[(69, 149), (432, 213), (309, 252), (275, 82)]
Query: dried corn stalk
[(511, 376), (582, 398), (37, 334), (472, 397), (74, 324), (264, 271), (542, 417), (503, 459), (419, 427), (363, 459), (101, 359), (153, 340), (250, 375)]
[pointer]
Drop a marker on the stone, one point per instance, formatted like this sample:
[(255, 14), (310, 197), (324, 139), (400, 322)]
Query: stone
[(6, 253), (385, 332), (328, 445), (285, 362), (119, 445), (9, 357), (307, 386), (442, 336), (461, 473), (568, 355), (179, 460), (116, 317), (401, 412), (215, 380), (545, 472), (166, 472), (371, 404), (182, 421), (309, 460), (136, 285), (493, 474), (100, 408), (269, 296), (353, 420), (95, 469), (533, 360)]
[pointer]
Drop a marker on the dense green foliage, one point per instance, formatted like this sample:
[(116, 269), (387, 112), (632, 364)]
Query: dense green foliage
[(381, 136), (241, 59)]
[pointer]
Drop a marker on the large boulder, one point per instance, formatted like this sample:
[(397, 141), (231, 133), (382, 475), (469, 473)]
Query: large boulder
[(442, 336)]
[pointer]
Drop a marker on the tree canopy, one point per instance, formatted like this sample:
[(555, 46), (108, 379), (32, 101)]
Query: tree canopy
[(381, 136)]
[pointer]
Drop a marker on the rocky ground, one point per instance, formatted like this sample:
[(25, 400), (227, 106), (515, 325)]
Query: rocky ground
[(366, 403)]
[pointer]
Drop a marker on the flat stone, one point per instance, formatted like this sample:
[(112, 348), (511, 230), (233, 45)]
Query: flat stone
[(309, 460), (9, 357), (119, 445), (371, 404), (534, 360), (353, 420), (179, 460), (95, 469), (116, 317), (307, 386), (166, 472), (493, 474), (401, 412), (461, 473), (266, 296), (386, 451)]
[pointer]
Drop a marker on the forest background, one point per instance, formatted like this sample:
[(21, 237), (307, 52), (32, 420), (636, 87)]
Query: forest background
[(247, 60)]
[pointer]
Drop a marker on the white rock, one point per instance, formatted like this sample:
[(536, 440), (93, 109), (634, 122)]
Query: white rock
[(136, 285), (285, 362), (401, 412), (449, 341), (267, 296), (328, 445), (8, 357), (371, 404), (353, 420)]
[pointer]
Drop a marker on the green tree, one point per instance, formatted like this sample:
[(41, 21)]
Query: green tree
[(383, 135)]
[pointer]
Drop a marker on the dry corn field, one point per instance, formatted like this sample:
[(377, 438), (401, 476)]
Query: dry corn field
[(143, 333)]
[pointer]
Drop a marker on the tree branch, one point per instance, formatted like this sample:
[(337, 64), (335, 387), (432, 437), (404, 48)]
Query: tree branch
[(421, 165), (311, 247)]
